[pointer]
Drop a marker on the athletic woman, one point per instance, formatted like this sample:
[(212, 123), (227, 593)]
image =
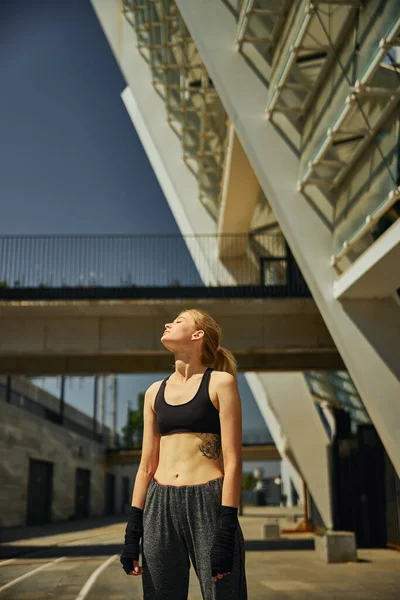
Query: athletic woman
[(187, 489)]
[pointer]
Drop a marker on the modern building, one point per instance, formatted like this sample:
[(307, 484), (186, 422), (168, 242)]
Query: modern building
[(283, 117)]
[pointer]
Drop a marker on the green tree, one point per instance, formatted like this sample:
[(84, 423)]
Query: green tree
[(248, 481), (133, 430)]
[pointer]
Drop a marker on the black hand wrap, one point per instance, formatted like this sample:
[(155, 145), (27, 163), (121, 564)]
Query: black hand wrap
[(133, 534), (224, 541)]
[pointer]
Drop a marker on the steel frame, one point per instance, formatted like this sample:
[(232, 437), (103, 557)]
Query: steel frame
[(342, 127), (323, 56), (249, 11), (194, 110), (370, 220)]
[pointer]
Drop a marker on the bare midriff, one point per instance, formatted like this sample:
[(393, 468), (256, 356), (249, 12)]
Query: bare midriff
[(189, 458)]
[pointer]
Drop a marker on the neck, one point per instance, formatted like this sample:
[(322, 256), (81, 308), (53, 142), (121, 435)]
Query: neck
[(186, 366)]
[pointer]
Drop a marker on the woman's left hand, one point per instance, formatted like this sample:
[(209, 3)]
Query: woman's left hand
[(219, 576)]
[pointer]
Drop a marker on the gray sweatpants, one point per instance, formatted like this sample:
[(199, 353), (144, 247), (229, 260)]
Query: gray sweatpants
[(178, 524)]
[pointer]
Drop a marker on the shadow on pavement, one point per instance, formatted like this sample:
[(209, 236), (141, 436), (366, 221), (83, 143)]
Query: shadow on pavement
[(12, 534), (54, 551), (57, 551)]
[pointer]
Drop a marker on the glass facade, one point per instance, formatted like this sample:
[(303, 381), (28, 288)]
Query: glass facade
[(334, 75), (337, 389), (260, 24), (369, 188), (303, 55)]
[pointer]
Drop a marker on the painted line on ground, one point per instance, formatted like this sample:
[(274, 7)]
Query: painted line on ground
[(7, 562), (30, 573), (94, 576)]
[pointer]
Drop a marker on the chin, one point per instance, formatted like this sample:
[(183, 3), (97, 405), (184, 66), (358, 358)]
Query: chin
[(165, 344)]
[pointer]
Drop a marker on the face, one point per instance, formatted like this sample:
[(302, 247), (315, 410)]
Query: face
[(181, 333)]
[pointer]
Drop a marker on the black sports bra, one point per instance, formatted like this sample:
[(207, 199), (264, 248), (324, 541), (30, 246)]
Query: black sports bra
[(198, 415)]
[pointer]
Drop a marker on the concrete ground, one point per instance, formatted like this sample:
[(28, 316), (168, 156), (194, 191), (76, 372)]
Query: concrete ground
[(79, 561)]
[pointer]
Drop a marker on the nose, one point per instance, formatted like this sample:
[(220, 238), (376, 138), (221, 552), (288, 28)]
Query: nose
[(167, 325)]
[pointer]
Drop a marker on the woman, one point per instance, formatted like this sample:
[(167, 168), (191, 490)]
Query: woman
[(185, 499)]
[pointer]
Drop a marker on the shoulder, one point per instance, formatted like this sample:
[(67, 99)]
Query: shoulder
[(151, 392), (226, 390), (222, 379), (154, 387)]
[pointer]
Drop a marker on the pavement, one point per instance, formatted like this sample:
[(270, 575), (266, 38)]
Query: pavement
[(78, 560)]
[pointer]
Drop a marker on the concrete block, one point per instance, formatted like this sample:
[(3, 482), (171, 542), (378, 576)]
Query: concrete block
[(336, 547), (270, 530)]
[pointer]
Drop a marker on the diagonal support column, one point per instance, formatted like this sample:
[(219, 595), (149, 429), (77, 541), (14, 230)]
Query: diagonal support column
[(286, 398), (366, 333)]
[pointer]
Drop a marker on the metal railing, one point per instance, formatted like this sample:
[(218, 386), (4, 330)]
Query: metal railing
[(144, 266), (34, 407)]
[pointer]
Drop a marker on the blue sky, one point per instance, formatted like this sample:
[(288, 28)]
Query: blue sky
[(71, 161)]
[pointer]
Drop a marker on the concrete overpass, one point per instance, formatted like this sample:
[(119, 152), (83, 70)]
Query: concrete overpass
[(87, 337)]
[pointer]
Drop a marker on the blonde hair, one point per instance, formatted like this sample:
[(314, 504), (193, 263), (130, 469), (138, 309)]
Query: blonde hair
[(212, 354)]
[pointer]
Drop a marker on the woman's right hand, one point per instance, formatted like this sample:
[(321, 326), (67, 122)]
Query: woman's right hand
[(133, 533), (130, 564), (136, 565)]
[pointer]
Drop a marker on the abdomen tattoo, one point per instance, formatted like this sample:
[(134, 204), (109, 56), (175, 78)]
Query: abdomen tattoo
[(211, 446)]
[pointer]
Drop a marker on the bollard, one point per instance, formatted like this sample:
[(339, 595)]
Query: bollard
[(270, 530), (336, 546)]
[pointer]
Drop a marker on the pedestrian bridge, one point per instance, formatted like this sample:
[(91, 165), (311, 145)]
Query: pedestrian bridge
[(98, 304), (91, 337)]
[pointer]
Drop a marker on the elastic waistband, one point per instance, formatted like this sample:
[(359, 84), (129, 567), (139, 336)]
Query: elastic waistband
[(196, 485)]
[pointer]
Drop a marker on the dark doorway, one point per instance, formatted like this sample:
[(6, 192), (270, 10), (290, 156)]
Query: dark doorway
[(125, 500), (40, 488), (392, 487), (359, 478), (109, 502), (82, 493)]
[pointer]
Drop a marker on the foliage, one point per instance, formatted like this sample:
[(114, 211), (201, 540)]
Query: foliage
[(248, 481), (132, 432)]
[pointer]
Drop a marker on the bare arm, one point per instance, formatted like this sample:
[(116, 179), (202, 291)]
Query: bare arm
[(150, 449), (230, 413)]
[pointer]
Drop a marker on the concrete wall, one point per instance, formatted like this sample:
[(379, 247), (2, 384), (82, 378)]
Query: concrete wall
[(120, 472), (24, 436)]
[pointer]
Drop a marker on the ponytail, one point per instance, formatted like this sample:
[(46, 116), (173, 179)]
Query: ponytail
[(220, 359), (225, 361)]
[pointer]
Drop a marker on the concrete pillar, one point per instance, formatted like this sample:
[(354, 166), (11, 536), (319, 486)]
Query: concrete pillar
[(289, 469), (239, 196), (288, 397)]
